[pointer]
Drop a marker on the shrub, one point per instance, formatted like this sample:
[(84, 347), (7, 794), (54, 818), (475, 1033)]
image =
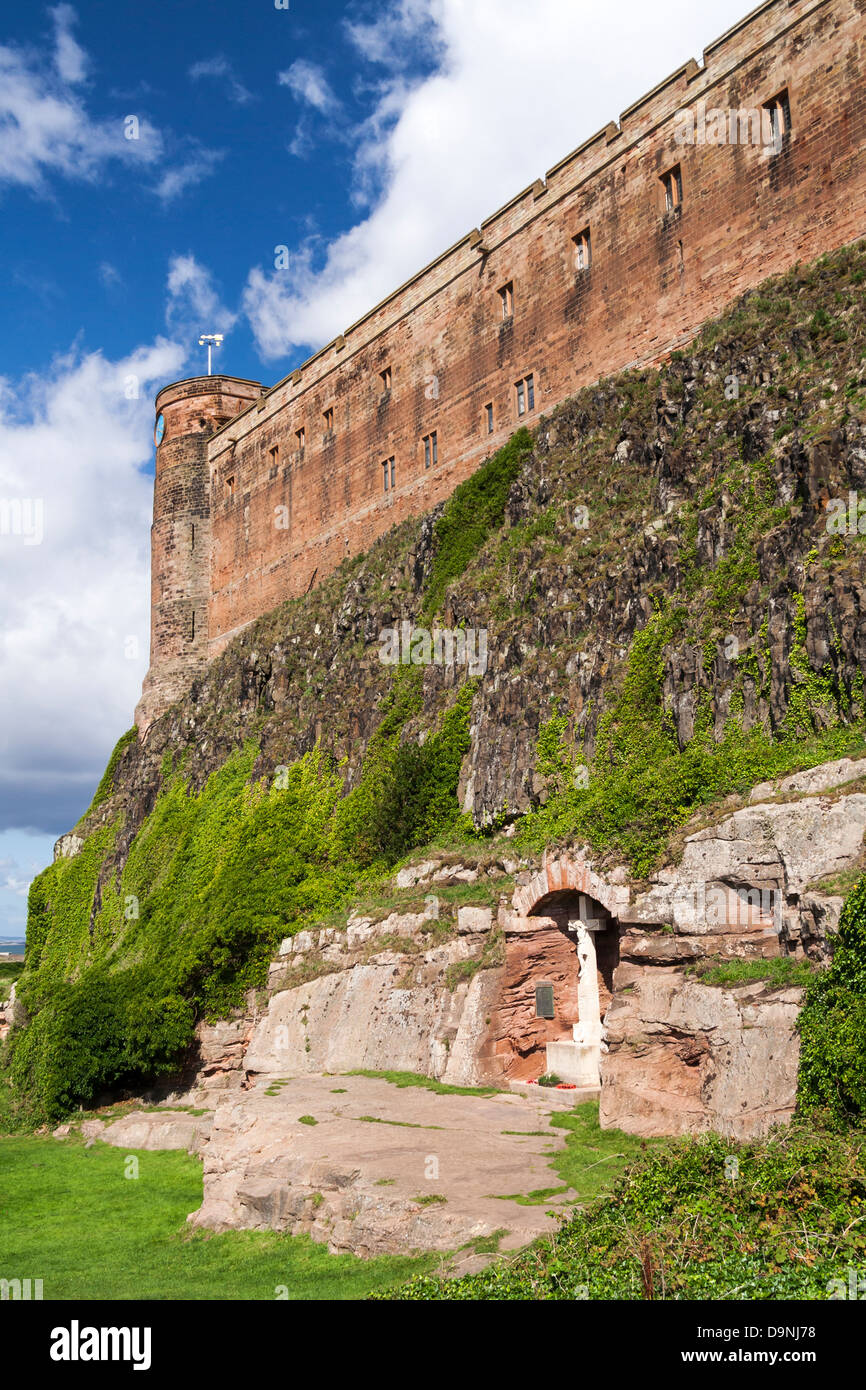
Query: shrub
[(832, 1024), (100, 1031)]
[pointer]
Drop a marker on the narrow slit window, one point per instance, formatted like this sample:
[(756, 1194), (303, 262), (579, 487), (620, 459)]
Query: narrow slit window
[(582, 250), (488, 415), (192, 627), (506, 297), (328, 418), (301, 439), (431, 449), (777, 120), (388, 474), (274, 455), (192, 536), (672, 184), (385, 378), (230, 486), (525, 395)]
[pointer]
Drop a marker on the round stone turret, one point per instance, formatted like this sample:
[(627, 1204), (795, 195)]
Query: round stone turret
[(187, 414)]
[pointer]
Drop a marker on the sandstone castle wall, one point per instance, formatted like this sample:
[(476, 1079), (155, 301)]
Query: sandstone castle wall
[(277, 512)]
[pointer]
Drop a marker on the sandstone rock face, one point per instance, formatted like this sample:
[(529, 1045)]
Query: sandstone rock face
[(220, 1053), (393, 1013), (68, 846), (754, 867), (684, 1057), (382, 1170), (812, 780), (538, 952), (156, 1130)]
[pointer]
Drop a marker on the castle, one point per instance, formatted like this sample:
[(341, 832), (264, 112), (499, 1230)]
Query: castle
[(725, 173)]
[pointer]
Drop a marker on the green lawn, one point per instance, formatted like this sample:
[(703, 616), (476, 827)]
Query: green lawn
[(593, 1157), (70, 1217)]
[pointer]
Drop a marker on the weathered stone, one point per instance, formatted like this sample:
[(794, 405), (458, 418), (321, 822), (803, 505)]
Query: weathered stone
[(685, 1057), (416, 873), (474, 919), (68, 846), (263, 1170), (813, 780), (394, 1012), (163, 1130)]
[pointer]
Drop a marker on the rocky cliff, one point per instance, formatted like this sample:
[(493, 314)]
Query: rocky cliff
[(669, 577)]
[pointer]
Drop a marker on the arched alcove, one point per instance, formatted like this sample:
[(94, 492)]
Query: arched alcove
[(566, 908), (562, 948)]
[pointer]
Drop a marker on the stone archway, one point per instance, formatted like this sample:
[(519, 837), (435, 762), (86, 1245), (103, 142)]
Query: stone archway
[(564, 873), (562, 937)]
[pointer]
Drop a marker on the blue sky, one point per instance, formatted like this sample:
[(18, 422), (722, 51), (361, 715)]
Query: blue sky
[(363, 137)]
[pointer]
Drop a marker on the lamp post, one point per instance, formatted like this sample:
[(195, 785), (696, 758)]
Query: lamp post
[(213, 340)]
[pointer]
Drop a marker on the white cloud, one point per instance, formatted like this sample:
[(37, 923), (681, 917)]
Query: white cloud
[(75, 633), (515, 86), (220, 67), (44, 126), (195, 168), (393, 38), (109, 276), (194, 305), (46, 129), (69, 57), (307, 83)]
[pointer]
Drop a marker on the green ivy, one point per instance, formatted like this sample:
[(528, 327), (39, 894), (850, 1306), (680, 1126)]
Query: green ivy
[(642, 785), (832, 1024), (106, 785), (118, 971), (473, 511)]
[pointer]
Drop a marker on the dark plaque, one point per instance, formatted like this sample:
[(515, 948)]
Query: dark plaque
[(544, 1001)]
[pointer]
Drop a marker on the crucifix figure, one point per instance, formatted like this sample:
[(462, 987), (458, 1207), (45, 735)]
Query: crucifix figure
[(588, 1029)]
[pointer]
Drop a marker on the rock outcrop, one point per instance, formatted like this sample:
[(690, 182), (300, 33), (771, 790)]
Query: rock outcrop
[(369, 1168)]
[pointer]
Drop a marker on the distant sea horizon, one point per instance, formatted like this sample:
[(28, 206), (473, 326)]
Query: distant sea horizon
[(12, 945)]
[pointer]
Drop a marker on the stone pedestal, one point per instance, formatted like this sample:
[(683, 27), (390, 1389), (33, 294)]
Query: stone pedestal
[(573, 1061)]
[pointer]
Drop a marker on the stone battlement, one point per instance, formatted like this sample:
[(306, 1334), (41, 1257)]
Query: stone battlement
[(615, 258)]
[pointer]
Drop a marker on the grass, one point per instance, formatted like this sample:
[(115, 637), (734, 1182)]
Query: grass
[(487, 1245), (536, 1198), (412, 1078), (69, 1217), (780, 972), (593, 1157), (9, 972)]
